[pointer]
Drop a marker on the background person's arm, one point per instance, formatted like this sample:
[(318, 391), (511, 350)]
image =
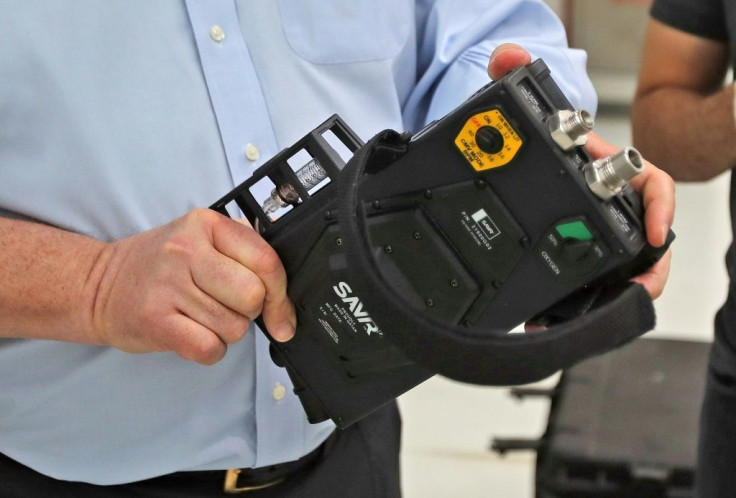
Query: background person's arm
[(683, 116)]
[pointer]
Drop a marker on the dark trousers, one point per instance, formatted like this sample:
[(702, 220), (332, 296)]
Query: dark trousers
[(361, 462), (716, 471)]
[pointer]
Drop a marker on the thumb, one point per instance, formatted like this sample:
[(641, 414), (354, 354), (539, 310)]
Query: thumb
[(506, 57), (279, 317)]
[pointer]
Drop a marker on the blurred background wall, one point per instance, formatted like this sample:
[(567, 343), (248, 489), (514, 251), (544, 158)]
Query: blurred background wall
[(612, 32)]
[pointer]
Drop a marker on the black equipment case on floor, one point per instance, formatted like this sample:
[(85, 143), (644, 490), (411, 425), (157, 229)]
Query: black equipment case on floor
[(622, 425)]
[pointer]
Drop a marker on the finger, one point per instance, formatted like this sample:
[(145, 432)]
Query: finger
[(230, 283), (244, 222), (654, 278), (249, 249), (658, 195), (505, 58), (191, 340), (598, 148), (228, 324)]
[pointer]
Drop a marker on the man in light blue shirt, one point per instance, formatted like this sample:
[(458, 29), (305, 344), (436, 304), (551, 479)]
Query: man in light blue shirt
[(121, 116)]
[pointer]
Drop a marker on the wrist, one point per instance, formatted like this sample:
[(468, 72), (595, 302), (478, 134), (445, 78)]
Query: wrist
[(89, 321)]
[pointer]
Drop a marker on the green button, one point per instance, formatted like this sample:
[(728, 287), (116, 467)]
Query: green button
[(574, 230)]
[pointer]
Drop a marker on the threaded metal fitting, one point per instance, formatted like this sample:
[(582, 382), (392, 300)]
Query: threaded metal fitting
[(606, 177)]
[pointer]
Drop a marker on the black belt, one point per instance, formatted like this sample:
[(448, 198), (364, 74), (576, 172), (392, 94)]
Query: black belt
[(244, 480), (193, 483)]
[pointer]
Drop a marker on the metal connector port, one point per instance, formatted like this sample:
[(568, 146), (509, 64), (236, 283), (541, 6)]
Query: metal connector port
[(570, 129), (608, 176)]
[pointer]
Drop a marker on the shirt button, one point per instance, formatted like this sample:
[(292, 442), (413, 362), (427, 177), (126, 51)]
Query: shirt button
[(252, 152), (278, 392), (217, 33)]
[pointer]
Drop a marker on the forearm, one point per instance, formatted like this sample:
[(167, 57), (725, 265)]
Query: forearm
[(48, 282), (690, 136)]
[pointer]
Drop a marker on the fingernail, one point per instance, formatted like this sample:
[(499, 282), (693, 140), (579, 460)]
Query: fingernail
[(665, 231), (284, 332)]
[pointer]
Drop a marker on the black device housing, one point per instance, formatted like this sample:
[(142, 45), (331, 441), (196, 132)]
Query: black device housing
[(468, 231)]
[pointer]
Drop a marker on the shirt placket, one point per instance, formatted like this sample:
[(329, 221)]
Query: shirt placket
[(248, 140)]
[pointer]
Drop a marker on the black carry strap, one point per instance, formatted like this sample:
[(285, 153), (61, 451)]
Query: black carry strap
[(610, 318)]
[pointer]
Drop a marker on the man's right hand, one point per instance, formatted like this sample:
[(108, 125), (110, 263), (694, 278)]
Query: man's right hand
[(191, 286)]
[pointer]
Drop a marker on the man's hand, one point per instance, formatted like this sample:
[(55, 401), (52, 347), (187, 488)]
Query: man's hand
[(191, 286), (656, 187), (658, 193), (505, 58)]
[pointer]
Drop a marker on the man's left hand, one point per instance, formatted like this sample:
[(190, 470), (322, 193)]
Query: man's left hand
[(655, 186)]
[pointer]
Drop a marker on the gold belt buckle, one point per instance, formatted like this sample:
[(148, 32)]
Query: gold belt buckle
[(231, 483)]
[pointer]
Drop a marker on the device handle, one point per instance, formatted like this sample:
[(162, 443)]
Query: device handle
[(616, 314)]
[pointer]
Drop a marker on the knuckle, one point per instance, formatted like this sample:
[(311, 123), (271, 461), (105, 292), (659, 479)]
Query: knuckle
[(177, 246), (181, 247), (268, 261), (203, 216), (202, 222), (253, 297), (208, 350), (236, 329), (150, 316)]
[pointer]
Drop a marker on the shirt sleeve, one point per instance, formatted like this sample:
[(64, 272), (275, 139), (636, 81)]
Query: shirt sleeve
[(704, 18), (456, 40)]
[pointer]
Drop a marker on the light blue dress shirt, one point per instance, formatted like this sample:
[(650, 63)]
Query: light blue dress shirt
[(119, 116)]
